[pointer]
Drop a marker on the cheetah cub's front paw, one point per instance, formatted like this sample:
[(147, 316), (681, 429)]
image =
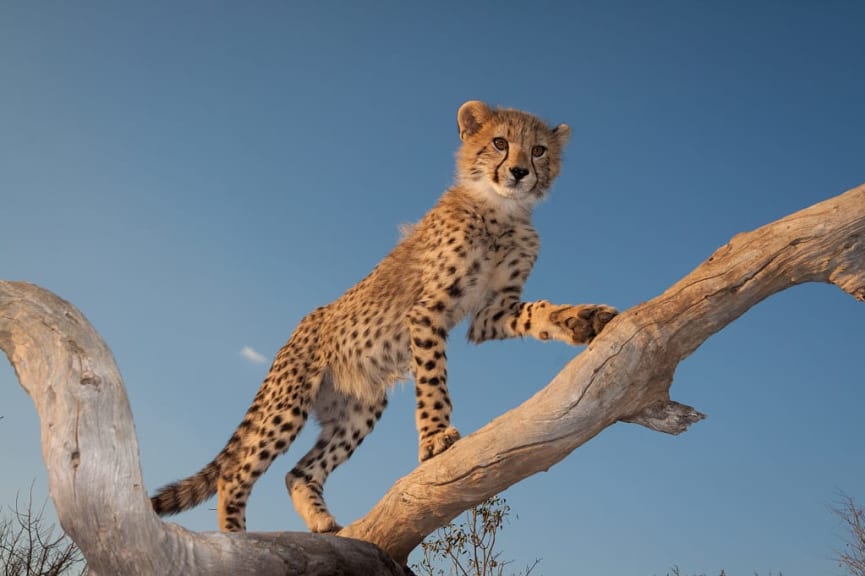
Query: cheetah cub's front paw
[(582, 323), (437, 442)]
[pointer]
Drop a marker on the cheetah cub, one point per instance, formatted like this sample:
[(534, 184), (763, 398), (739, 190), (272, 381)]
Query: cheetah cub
[(468, 257)]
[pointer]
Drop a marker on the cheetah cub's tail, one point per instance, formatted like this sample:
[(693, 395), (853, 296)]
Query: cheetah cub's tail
[(189, 492)]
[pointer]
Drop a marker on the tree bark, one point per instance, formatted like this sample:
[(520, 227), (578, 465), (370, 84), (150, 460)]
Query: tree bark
[(91, 451)]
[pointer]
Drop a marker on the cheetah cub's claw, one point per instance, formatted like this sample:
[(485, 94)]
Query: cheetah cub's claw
[(437, 442), (582, 323)]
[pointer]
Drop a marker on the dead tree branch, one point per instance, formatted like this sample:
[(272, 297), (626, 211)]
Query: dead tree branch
[(91, 452)]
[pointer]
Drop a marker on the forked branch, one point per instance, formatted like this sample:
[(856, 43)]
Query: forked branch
[(91, 452)]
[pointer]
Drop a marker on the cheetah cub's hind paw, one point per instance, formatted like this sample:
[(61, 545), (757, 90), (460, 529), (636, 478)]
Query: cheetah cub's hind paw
[(583, 323), (310, 506), (437, 442)]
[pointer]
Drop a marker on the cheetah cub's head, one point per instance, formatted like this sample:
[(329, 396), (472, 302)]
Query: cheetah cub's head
[(508, 153)]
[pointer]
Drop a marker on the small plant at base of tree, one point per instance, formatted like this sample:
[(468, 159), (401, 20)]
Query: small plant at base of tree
[(852, 556), (30, 547), (468, 547)]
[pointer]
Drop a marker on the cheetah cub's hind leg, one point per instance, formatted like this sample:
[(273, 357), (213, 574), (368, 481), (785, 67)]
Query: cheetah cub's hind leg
[(345, 421)]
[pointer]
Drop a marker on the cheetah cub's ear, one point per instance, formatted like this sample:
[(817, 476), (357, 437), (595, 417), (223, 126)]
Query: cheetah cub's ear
[(471, 116), (562, 134)]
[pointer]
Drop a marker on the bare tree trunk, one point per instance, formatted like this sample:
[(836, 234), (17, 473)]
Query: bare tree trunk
[(91, 452)]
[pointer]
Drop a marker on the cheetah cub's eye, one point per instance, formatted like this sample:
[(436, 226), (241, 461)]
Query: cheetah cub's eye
[(500, 144), (538, 151)]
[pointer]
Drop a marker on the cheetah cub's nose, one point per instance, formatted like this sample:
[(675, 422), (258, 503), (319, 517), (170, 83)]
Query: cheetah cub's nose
[(519, 172)]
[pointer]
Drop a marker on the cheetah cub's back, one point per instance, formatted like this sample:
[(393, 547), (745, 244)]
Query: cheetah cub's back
[(468, 257)]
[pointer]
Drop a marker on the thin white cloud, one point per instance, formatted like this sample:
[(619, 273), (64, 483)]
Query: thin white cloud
[(252, 355)]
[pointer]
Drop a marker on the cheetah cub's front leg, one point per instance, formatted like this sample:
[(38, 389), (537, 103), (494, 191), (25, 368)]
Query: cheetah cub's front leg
[(433, 412), (509, 318)]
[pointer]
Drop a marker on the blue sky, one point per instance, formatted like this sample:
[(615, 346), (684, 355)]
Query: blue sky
[(196, 177)]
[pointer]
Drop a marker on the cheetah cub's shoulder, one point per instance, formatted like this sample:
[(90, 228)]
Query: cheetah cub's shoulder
[(468, 257)]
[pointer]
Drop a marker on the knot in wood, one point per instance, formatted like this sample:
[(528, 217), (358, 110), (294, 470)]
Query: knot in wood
[(90, 379)]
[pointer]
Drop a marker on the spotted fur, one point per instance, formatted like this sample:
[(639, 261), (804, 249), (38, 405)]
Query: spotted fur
[(468, 257)]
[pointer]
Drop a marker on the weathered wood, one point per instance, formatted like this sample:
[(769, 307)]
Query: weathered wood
[(94, 476), (625, 374), (91, 452)]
